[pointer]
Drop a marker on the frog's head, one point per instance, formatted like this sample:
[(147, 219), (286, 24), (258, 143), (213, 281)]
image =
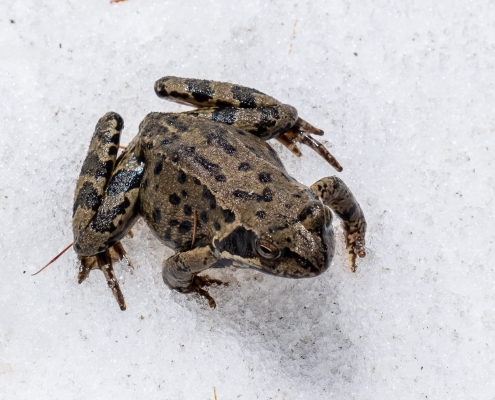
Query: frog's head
[(299, 248)]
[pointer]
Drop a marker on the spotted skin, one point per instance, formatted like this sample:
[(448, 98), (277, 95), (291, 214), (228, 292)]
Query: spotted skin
[(211, 188)]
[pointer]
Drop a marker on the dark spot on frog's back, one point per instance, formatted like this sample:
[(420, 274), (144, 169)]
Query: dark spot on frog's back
[(206, 164), (188, 210), (185, 226), (157, 215), (174, 199), (218, 139), (228, 216), (181, 178), (264, 177), (267, 195), (244, 166), (203, 215), (208, 195), (200, 89), (176, 123), (220, 178), (260, 214), (158, 167)]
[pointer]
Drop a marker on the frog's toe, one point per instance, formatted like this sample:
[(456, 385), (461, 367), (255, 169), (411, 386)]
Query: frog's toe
[(300, 133), (304, 126), (102, 261), (199, 282), (118, 253), (355, 248), (87, 264)]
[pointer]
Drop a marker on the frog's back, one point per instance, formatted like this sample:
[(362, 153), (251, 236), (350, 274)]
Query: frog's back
[(220, 177)]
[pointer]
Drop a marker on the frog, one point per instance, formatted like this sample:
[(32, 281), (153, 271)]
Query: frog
[(212, 189)]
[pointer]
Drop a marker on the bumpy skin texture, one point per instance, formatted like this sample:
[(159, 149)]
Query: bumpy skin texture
[(210, 188)]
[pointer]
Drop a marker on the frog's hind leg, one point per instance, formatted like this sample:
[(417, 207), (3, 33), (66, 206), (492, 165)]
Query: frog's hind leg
[(246, 109), (334, 193), (180, 272), (105, 201), (241, 107)]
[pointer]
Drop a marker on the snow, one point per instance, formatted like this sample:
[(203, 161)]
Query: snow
[(405, 94)]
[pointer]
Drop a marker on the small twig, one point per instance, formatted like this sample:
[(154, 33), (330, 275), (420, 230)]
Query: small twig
[(215, 393), (195, 227), (54, 259)]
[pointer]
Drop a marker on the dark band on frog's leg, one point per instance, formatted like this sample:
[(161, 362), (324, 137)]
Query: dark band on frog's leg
[(300, 133), (264, 122), (334, 193), (96, 169), (206, 93)]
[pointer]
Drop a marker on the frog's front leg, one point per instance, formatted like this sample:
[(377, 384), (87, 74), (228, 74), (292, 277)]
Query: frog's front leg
[(246, 109), (180, 272), (105, 201), (334, 193)]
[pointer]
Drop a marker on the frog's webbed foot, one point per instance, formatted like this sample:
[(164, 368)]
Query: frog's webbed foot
[(300, 133), (197, 285), (103, 262)]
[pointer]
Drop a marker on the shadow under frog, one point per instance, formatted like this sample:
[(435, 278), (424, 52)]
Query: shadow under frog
[(212, 189)]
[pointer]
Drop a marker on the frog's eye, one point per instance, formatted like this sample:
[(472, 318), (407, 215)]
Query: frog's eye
[(267, 249)]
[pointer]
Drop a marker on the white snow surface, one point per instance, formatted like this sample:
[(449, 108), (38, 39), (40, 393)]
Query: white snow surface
[(405, 91)]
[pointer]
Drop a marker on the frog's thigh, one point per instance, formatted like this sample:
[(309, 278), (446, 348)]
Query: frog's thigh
[(334, 193), (178, 271), (205, 93), (106, 197)]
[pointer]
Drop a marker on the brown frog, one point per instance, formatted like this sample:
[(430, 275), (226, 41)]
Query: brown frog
[(212, 189)]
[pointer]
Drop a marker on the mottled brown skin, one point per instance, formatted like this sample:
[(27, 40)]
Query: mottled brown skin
[(212, 189)]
